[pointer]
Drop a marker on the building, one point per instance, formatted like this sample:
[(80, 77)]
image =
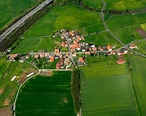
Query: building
[(109, 48), (120, 61), (133, 46), (12, 57), (58, 66)]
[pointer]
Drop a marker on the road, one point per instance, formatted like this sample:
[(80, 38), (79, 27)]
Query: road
[(23, 19)]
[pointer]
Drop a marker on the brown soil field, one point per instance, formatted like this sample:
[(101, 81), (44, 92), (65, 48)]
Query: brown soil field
[(141, 32), (5, 111)]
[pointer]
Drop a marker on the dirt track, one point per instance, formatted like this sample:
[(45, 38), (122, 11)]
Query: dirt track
[(5, 111)]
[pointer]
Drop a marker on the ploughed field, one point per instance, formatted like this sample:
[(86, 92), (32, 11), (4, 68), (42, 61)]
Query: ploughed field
[(46, 96), (106, 90)]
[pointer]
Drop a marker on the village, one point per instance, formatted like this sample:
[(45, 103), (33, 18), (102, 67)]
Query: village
[(77, 51)]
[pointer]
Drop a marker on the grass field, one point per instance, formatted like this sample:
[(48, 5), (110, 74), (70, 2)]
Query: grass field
[(10, 9), (139, 80), (116, 4), (125, 4), (124, 27), (106, 91), (96, 4), (46, 96), (8, 70), (141, 45), (72, 17), (102, 38)]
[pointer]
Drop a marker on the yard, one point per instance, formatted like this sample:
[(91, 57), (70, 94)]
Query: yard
[(46, 96), (139, 81), (106, 90)]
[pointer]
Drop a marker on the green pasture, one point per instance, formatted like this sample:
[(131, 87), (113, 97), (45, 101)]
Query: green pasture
[(139, 81), (143, 26), (140, 18), (10, 9), (102, 38), (116, 5), (125, 4), (72, 17), (141, 46), (3, 65), (96, 4), (124, 27), (106, 90), (46, 96)]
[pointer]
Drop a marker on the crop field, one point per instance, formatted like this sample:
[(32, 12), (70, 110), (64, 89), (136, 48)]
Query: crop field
[(10, 9), (106, 90), (139, 80), (102, 38), (141, 45), (125, 4), (8, 70), (46, 96), (73, 17), (116, 4), (124, 27), (96, 4)]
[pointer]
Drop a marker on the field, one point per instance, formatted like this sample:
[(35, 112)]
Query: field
[(116, 4), (96, 4), (124, 27), (73, 17), (141, 45), (46, 96), (106, 90), (8, 88), (10, 9), (139, 80)]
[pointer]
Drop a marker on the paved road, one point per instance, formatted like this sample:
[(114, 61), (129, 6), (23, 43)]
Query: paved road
[(23, 19)]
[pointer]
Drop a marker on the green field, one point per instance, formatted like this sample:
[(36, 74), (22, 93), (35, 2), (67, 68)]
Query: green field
[(116, 4), (46, 96), (10, 9), (141, 46), (8, 70), (124, 27), (139, 80), (96, 4), (39, 37), (106, 90), (102, 38)]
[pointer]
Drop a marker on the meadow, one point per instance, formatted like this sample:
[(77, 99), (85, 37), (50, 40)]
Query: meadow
[(8, 70), (10, 9), (139, 81), (106, 90), (46, 96), (124, 27), (72, 17)]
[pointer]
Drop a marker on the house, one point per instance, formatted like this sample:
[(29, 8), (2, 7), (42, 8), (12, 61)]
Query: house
[(27, 57), (56, 51), (81, 59), (133, 46), (58, 66), (63, 44), (52, 58), (109, 48), (100, 48), (12, 57), (120, 61), (42, 55), (36, 56)]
